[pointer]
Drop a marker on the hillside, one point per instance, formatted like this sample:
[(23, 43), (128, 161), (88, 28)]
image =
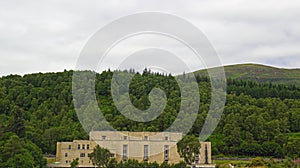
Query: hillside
[(36, 111), (260, 73)]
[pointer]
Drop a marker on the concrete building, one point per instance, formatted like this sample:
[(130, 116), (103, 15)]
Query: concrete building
[(141, 146)]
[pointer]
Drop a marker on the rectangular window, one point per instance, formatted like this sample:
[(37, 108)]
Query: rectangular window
[(88, 146), (145, 138), (66, 154), (146, 152), (166, 138), (197, 158), (78, 146), (69, 146), (82, 154), (125, 152), (103, 137), (166, 152), (83, 146), (112, 155), (125, 138)]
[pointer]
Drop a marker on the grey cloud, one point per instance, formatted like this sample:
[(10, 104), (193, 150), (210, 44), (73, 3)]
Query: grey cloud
[(48, 36)]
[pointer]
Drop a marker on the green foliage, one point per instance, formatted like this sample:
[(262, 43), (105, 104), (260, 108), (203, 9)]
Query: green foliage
[(135, 164), (74, 163), (100, 156), (292, 147), (188, 147), (259, 118), (283, 163), (257, 162), (15, 152), (16, 123)]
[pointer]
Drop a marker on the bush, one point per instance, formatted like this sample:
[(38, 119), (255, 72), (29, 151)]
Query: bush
[(257, 162)]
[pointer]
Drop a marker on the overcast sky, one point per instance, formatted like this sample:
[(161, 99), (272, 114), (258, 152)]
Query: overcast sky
[(46, 36)]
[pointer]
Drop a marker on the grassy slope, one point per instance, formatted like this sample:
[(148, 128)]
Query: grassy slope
[(261, 73)]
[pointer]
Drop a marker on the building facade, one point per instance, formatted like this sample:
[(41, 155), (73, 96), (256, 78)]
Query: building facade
[(141, 146)]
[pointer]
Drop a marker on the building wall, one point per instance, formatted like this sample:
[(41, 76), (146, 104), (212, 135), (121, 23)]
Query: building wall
[(135, 141), (205, 148), (67, 151)]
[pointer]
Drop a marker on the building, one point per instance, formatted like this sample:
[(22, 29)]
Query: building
[(142, 146)]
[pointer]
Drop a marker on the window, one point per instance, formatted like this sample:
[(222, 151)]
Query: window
[(66, 154), (145, 138), (67, 161), (69, 146), (125, 148), (88, 146), (197, 158), (83, 146), (78, 146), (125, 138), (206, 154), (166, 152), (146, 151), (103, 137), (112, 155), (166, 138), (82, 154)]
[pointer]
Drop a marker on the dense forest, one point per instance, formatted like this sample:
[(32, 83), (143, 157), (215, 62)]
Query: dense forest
[(37, 110)]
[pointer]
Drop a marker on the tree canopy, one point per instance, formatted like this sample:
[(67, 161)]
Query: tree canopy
[(100, 156), (188, 148), (259, 119)]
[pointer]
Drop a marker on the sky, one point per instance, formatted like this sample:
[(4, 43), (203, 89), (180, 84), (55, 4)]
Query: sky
[(48, 36)]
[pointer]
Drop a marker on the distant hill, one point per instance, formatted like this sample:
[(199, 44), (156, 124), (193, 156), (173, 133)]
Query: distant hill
[(260, 73)]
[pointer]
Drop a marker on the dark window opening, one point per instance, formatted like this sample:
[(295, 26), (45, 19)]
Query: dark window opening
[(166, 153), (125, 152), (146, 152)]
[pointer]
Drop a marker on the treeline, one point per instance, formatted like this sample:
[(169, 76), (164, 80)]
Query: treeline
[(263, 90), (258, 119)]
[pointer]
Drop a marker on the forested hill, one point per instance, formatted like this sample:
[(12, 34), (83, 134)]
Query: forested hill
[(36, 111), (260, 73)]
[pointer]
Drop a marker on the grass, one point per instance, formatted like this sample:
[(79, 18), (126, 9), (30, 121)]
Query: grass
[(236, 163), (256, 163), (50, 160)]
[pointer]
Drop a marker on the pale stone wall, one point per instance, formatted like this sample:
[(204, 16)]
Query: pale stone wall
[(67, 151), (205, 146), (114, 141), (135, 141)]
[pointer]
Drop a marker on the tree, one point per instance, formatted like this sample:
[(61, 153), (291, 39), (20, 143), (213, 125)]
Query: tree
[(100, 156), (112, 163), (271, 149), (16, 123), (74, 163), (16, 152), (188, 148), (292, 147)]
